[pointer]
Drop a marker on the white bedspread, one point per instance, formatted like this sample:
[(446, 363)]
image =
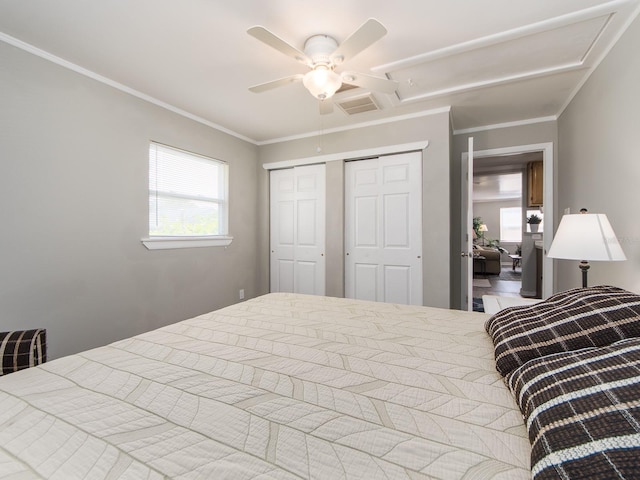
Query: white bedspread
[(281, 386)]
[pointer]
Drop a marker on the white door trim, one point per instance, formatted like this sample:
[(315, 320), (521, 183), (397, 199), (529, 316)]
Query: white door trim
[(546, 148), (350, 155)]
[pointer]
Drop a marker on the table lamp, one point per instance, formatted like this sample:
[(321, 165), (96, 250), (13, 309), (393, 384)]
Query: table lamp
[(586, 237), (482, 228)]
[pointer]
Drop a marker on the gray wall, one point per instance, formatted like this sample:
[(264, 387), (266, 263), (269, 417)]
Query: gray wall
[(436, 211), (73, 196), (599, 164), (73, 190)]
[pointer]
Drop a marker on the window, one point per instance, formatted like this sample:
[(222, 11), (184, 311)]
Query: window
[(511, 224), (188, 197)]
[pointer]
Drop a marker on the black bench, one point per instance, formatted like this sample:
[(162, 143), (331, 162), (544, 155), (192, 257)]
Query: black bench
[(22, 349)]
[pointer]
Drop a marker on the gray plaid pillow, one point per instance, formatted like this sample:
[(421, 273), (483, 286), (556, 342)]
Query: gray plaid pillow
[(571, 320), (582, 412)]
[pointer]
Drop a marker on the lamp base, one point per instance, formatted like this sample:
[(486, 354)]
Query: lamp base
[(584, 266)]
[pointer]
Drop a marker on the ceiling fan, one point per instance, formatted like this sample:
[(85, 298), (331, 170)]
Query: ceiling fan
[(322, 55)]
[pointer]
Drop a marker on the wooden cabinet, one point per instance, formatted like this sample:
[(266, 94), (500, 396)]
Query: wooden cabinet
[(535, 183)]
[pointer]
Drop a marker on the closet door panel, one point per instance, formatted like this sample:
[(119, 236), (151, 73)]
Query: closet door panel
[(383, 229), (297, 238)]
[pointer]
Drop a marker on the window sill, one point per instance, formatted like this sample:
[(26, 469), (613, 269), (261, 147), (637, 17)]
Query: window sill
[(166, 243)]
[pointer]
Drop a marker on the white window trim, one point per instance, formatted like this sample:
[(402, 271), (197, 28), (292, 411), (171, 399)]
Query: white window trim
[(160, 242), (167, 243)]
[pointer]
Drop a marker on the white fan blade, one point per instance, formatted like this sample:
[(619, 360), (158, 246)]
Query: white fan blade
[(271, 39), (263, 87), (326, 106), (376, 84), (369, 32)]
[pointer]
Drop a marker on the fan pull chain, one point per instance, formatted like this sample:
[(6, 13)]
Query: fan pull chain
[(320, 140)]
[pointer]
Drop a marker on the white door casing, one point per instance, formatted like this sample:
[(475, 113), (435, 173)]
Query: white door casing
[(383, 229), (549, 204), (297, 230)]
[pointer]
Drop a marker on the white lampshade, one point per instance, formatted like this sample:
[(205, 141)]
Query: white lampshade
[(483, 228), (322, 82), (586, 236)]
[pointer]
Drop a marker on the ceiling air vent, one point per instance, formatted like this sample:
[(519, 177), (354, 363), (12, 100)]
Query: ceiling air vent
[(360, 104)]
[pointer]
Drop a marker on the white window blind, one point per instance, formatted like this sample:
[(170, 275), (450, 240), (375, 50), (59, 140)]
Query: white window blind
[(187, 194), (511, 224)]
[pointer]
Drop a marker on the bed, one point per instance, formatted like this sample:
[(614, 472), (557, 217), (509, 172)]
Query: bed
[(280, 386), (290, 386)]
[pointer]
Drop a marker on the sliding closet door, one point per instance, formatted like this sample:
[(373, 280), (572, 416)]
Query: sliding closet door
[(297, 216), (383, 229)]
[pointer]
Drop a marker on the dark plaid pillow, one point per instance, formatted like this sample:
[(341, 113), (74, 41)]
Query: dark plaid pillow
[(571, 320), (22, 349), (582, 411)]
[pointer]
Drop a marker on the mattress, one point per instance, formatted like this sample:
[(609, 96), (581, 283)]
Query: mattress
[(282, 386)]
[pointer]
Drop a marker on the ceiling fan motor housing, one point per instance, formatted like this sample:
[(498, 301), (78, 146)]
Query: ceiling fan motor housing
[(319, 49)]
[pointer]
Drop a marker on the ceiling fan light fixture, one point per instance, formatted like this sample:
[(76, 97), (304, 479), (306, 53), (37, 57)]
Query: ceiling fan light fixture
[(322, 82)]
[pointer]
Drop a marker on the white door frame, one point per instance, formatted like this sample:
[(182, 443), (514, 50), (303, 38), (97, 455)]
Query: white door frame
[(421, 145), (548, 195)]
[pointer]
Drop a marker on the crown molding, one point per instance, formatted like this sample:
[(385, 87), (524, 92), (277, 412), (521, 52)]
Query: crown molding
[(399, 118)]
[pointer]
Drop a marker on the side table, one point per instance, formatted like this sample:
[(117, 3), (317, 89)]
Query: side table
[(482, 261), (516, 259)]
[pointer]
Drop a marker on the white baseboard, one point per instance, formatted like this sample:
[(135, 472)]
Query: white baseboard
[(527, 293)]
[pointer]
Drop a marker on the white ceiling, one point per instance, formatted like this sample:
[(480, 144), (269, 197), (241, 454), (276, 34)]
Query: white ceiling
[(492, 62)]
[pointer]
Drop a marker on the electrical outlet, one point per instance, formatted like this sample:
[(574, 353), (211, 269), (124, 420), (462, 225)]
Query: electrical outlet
[(241, 294)]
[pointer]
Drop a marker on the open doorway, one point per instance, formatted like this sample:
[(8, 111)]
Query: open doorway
[(509, 258)]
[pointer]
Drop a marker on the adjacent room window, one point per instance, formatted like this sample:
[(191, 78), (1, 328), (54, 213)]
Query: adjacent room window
[(188, 194), (511, 224)]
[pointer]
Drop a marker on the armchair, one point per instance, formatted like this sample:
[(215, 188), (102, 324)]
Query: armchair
[(492, 263)]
